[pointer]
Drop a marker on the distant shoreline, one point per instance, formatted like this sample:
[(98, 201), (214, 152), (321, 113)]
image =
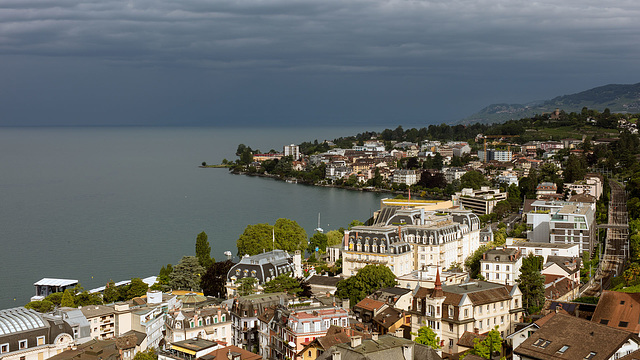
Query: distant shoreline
[(220, 166)]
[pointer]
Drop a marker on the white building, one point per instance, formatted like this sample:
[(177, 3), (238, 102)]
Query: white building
[(544, 249), (292, 150), (407, 177), (501, 265), (474, 306), (451, 174), (377, 245)]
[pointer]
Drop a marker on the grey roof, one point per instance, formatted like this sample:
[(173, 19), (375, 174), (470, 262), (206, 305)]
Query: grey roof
[(385, 348), (471, 287), (19, 319)]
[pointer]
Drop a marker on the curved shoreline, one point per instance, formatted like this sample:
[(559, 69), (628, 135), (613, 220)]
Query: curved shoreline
[(276, 177)]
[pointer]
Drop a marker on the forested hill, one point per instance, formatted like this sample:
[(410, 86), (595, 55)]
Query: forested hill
[(618, 98)]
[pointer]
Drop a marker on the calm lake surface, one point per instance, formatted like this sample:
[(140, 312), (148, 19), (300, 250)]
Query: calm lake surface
[(95, 204)]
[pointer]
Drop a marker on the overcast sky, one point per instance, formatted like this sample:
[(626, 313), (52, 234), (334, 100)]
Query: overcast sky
[(308, 62)]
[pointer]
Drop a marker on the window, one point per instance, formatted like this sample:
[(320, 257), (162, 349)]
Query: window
[(498, 276), (466, 313), (623, 324), (451, 311), (486, 267), (22, 344), (200, 322), (507, 267), (501, 319), (4, 348), (450, 342), (590, 356), (502, 302), (497, 267), (223, 317), (207, 321), (306, 327), (450, 327), (40, 339), (604, 322), (316, 326), (563, 349), (192, 324)]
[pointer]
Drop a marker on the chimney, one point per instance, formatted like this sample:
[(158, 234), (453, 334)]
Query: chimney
[(356, 341), (407, 351), (374, 336), (336, 355)]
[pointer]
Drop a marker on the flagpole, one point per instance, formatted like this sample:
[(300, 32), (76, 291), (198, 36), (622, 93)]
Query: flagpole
[(273, 233)]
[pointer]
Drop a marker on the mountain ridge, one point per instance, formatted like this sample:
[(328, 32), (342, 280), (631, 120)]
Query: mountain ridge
[(617, 97)]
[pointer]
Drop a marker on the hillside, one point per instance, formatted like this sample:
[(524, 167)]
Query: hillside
[(618, 98)]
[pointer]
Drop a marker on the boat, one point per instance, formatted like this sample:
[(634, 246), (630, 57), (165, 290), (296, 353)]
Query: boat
[(319, 229)]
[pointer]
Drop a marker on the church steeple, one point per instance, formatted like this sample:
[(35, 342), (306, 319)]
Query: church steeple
[(437, 290)]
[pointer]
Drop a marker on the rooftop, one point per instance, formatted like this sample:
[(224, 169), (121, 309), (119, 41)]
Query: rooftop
[(19, 319)]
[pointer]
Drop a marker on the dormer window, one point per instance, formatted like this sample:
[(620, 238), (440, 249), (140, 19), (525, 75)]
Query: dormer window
[(207, 321), (178, 325)]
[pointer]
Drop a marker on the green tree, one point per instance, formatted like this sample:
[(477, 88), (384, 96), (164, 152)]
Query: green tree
[(215, 278), (575, 169), (368, 279), (137, 288), (255, 240), (334, 237), (149, 354), (203, 250), (67, 299), (186, 274), (110, 293), (472, 263), (355, 223), (502, 208), (473, 179), (290, 236), (55, 298), (426, 336), (531, 283), (318, 240), (487, 348), (246, 286), (284, 283), (42, 306)]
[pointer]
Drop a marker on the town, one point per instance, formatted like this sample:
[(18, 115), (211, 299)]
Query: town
[(497, 245)]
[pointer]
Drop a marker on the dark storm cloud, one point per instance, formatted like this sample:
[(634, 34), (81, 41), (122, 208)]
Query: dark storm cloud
[(433, 39)]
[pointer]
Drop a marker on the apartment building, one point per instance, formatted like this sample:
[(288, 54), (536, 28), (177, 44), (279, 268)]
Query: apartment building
[(212, 323), (474, 306), (501, 265), (480, 201)]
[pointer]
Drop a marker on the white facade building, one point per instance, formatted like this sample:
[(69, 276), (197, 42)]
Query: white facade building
[(292, 150), (501, 265)]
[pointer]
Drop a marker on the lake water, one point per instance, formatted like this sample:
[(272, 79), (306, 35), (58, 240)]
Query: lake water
[(95, 204)]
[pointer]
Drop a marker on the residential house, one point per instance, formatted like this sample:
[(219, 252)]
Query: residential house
[(264, 267), (501, 265), (232, 353), (94, 349), (618, 310), (292, 150), (546, 188), (316, 347), (244, 317), (568, 337), (102, 320), (212, 323), (379, 347), (396, 297), (453, 309)]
